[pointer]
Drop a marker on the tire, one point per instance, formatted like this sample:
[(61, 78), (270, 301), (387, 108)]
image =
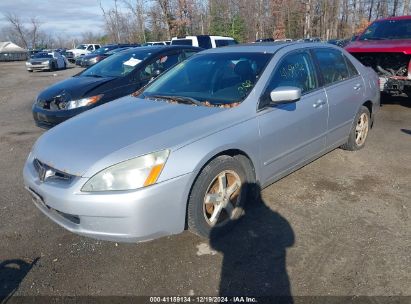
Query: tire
[(202, 217), (362, 124), (52, 67)]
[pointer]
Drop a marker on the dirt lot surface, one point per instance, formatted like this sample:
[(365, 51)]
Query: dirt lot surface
[(339, 226)]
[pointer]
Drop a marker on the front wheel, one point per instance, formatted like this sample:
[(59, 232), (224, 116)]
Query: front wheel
[(217, 197), (359, 131)]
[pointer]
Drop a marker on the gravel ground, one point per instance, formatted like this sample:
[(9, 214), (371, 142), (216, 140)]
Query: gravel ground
[(339, 226)]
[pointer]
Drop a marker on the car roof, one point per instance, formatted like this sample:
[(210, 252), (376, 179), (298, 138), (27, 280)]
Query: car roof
[(265, 47), (160, 48)]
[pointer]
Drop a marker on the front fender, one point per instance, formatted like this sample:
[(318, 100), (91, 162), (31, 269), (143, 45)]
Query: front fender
[(192, 157)]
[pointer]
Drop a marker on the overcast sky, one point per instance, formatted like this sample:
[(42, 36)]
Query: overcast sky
[(71, 17)]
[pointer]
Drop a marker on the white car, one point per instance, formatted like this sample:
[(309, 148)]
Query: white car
[(204, 41), (49, 61), (83, 49)]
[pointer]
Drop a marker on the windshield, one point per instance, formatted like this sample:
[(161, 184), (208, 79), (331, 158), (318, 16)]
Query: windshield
[(211, 79), (42, 55), (388, 29), (117, 65), (81, 47)]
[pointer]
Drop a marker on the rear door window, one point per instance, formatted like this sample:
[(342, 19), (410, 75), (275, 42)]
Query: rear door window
[(332, 65), (351, 68), (162, 63)]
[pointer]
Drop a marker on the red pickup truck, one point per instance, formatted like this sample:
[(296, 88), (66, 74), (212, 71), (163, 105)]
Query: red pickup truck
[(385, 45)]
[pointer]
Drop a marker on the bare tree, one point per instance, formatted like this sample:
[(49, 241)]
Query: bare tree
[(138, 9), (18, 28), (34, 32), (406, 10)]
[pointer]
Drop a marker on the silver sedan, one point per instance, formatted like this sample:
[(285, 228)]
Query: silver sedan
[(190, 148)]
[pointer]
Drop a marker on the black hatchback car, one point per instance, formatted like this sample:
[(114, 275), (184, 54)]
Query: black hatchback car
[(119, 75)]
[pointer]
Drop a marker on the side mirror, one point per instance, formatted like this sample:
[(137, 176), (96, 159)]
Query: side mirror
[(285, 95)]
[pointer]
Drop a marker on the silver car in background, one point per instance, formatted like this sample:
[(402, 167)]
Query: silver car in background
[(187, 149), (46, 61)]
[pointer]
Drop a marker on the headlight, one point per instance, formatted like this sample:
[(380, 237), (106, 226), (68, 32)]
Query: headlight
[(131, 174), (93, 60), (45, 62), (72, 104), (27, 63)]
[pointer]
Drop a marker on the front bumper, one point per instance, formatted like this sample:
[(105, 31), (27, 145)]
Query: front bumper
[(394, 85), (47, 119), (38, 67), (123, 216)]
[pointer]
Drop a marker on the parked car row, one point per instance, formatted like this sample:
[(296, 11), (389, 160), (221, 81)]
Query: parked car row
[(119, 75), (101, 53), (192, 146)]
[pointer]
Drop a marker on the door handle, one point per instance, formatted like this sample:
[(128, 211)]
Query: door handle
[(357, 87), (318, 103)]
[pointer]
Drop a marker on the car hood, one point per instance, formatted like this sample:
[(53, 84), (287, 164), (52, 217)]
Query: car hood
[(380, 46), (89, 56), (74, 87), (124, 129)]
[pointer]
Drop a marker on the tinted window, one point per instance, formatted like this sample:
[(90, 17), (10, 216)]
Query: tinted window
[(216, 79), (182, 42), (161, 64), (220, 42), (204, 42), (332, 65), (295, 70), (351, 68)]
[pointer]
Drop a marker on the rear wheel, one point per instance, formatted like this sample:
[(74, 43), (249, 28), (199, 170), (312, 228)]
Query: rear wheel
[(359, 131), (217, 197)]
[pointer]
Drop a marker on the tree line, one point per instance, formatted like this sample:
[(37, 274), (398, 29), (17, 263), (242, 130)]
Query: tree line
[(139, 21)]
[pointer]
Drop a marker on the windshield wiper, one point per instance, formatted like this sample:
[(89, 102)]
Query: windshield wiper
[(183, 99), (93, 75)]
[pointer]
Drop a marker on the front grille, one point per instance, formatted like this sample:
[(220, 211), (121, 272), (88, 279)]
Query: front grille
[(46, 172), (35, 63), (72, 218)]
